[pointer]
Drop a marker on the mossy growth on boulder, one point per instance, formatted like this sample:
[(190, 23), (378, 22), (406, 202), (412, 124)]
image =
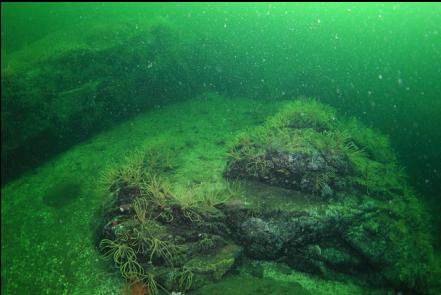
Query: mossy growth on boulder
[(306, 148), (361, 219)]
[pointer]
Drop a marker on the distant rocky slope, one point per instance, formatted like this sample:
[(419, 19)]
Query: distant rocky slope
[(69, 86)]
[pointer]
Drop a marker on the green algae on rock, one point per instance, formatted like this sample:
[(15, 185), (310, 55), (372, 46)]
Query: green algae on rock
[(366, 222)]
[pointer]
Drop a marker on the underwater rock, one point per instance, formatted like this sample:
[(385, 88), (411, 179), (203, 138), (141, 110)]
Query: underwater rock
[(158, 239), (213, 266), (318, 199), (365, 222)]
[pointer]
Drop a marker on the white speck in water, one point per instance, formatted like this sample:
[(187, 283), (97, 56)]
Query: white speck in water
[(318, 21), (400, 81), (426, 181), (380, 76)]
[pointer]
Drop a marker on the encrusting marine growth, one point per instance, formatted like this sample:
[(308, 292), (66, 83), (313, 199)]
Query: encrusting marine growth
[(346, 210)]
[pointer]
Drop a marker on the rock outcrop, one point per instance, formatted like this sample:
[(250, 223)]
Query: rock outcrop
[(362, 219), (323, 195)]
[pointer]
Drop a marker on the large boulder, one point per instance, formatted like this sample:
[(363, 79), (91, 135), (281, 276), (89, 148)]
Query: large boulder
[(346, 208), (323, 195)]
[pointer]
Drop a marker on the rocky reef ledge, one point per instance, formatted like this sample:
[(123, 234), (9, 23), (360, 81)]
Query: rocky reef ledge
[(322, 194)]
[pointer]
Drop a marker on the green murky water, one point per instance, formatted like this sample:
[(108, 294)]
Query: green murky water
[(87, 87)]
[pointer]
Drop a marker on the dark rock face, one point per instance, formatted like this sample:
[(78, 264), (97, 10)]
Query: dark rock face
[(308, 172), (305, 238), (360, 239)]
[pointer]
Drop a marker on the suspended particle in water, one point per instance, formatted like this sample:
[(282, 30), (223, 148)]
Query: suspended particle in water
[(318, 21), (380, 76)]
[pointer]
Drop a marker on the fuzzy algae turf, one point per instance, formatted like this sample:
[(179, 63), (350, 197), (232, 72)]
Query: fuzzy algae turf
[(51, 250)]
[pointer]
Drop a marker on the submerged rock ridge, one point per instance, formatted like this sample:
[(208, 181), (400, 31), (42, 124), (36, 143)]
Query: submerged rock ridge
[(322, 194), (353, 213)]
